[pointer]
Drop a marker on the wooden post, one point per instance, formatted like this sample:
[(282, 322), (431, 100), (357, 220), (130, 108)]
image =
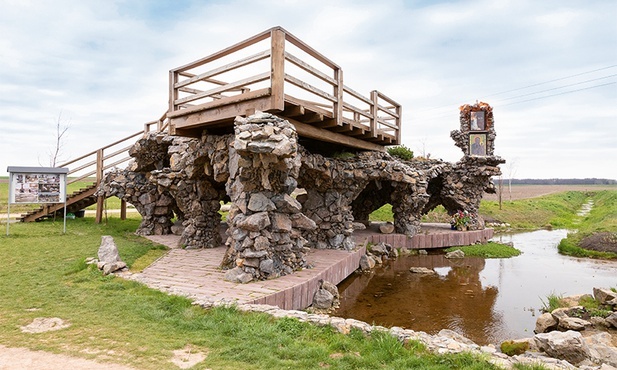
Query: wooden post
[(122, 209), (277, 69), (173, 96), (374, 113), (338, 93), (99, 178), (399, 122)]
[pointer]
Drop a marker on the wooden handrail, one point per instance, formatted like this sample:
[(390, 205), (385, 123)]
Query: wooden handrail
[(184, 85)]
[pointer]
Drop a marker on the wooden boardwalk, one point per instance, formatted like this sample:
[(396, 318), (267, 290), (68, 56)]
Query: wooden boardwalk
[(196, 273)]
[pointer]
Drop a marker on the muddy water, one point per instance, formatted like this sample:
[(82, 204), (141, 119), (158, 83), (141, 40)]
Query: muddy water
[(488, 301)]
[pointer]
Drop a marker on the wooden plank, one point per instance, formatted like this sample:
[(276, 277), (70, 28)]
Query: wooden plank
[(313, 117), (308, 106), (225, 68), (223, 101), (277, 69), (247, 81), (306, 130), (357, 95), (221, 113), (357, 110), (310, 88), (310, 69), (230, 50), (309, 50)]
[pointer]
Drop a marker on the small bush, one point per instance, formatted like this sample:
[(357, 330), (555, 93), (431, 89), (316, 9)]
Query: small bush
[(402, 152), (512, 348)]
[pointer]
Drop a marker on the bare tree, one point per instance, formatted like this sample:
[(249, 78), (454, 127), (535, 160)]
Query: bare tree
[(512, 167), (61, 128), (423, 152)]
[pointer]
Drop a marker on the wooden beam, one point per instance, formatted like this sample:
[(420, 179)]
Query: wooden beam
[(221, 102), (312, 132), (220, 113), (294, 111), (244, 82)]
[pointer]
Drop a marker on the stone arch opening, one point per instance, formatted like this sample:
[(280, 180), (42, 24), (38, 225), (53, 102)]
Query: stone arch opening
[(375, 194)]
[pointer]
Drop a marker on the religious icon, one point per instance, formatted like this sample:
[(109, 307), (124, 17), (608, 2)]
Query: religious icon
[(477, 144), (477, 121)]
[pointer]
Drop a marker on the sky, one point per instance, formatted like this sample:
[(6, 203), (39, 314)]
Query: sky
[(548, 68)]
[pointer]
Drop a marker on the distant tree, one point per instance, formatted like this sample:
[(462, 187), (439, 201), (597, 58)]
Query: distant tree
[(61, 127), (511, 166)]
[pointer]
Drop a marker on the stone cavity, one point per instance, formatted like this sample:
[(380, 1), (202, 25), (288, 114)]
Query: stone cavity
[(261, 167)]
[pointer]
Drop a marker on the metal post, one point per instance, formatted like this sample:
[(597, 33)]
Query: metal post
[(8, 208)]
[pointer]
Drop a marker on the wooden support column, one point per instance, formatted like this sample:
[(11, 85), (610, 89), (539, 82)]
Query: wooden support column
[(399, 122), (122, 209), (173, 96), (99, 177), (277, 70)]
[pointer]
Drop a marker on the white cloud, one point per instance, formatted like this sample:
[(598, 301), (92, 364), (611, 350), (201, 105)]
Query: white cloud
[(104, 65)]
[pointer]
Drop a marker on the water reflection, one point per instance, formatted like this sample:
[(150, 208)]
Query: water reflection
[(485, 300)]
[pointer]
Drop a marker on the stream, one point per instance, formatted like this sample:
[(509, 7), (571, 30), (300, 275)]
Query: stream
[(488, 301)]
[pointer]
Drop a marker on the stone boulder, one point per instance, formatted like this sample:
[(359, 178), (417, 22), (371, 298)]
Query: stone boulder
[(612, 319), (601, 349), (387, 228), (323, 299), (366, 263), (573, 323), (456, 254), (603, 296), (237, 275), (109, 257), (569, 345), (545, 323), (422, 270)]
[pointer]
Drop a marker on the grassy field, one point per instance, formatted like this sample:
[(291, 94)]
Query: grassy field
[(43, 274), (601, 221)]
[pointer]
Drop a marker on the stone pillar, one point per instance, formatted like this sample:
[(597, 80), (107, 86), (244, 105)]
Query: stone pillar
[(408, 201), (264, 238)]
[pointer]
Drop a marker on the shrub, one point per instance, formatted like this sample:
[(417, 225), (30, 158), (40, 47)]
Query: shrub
[(401, 151)]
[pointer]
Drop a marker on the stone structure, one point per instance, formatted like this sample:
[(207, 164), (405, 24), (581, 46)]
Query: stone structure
[(259, 166)]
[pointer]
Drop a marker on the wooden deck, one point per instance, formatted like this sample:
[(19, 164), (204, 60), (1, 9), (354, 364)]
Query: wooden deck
[(305, 88), (196, 273)]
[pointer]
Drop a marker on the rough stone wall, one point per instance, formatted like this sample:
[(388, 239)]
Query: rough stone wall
[(260, 165), (265, 222), (156, 208)]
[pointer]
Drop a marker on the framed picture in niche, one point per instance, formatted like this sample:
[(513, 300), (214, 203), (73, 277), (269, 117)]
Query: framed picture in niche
[(477, 144), (478, 122)]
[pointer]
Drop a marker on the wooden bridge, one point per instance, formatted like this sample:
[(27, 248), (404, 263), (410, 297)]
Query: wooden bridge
[(288, 78), (305, 87)]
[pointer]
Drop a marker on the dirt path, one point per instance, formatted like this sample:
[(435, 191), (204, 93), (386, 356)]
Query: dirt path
[(22, 358)]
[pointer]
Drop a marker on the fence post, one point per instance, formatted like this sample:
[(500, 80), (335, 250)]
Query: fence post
[(374, 112), (122, 209), (277, 69), (338, 93)]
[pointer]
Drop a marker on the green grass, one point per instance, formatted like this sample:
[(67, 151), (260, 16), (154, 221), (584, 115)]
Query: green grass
[(384, 214), (488, 250), (555, 210), (602, 218), (43, 274), (553, 302)]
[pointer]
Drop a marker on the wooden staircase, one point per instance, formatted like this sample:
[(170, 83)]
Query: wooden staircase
[(93, 165), (76, 201)]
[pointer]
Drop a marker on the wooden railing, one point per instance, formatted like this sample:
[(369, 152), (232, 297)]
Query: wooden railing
[(93, 165), (287, 71)]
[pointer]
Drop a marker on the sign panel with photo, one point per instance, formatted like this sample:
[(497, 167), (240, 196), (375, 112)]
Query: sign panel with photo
[(37, 187)]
